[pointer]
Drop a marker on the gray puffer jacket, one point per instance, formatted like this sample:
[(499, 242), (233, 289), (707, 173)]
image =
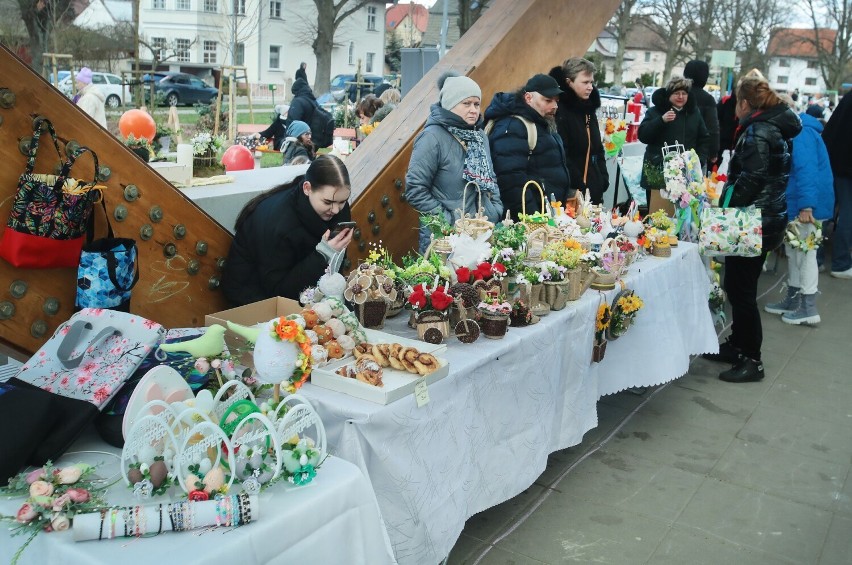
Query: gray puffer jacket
[(434, 179)]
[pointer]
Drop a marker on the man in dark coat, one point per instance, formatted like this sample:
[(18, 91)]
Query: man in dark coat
[(577, 125), (699, 71), (304, 102), (302, 73), (514, 162), (836, 137)]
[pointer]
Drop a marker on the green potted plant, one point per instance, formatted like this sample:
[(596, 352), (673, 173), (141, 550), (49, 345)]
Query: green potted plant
[(164, 137), (140, 146)]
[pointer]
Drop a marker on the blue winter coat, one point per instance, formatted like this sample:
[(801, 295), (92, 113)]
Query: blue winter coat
[(513, 163), (811, 183)]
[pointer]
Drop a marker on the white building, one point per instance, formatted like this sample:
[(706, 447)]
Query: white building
[(793, 60), (104, 13)]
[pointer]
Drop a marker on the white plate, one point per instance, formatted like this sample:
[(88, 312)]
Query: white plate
[(160, 383)]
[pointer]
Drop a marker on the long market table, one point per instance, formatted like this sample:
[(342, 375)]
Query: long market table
[(332, 520), (488, 428)]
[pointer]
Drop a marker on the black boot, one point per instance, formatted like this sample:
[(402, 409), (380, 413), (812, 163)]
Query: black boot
[(728, 353), (745, 371)]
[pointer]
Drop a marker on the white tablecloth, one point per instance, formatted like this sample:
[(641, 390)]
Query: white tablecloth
[(486, 433), (333, 520)]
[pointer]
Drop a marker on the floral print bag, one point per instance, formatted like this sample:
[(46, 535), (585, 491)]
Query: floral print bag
[(731, 231)]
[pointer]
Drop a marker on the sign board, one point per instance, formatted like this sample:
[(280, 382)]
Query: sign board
[(726, 59), (273, 87)]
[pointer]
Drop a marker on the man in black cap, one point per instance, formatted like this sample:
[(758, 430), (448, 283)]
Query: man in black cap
[(525, 145)]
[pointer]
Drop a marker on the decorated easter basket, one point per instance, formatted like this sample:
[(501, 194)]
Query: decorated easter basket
[(476, 225)]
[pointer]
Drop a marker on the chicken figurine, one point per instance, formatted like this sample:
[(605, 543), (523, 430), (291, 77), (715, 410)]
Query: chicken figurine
[(209, 345)]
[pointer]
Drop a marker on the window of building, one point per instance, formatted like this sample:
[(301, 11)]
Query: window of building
[(182, 50), (182, 5), (810, 81), (371, 18), (369, 66), (275, 9), (782, 80), (211, 5), (241, 54), (647, 56), (158, 47), (813, 65), (240, 7), (783, 62), (158, 4), (209, 52), (351, 52), (274, 57)]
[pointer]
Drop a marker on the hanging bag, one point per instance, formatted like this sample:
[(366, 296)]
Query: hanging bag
[(50, 213), (107, 273), (731, 231)]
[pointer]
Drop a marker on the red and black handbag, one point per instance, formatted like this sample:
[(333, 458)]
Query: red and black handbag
[(50, 213)]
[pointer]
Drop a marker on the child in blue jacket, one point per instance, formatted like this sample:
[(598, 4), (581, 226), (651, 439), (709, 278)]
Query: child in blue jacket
[(810, 199)]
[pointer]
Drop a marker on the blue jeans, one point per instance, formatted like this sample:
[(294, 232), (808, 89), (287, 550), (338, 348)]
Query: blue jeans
[(841, 259)]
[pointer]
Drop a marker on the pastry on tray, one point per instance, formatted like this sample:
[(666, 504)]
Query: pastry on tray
[(398, 357)]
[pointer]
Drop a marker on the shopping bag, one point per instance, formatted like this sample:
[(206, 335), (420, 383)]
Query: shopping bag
[(50, 213), (107, 273), (731, 231)]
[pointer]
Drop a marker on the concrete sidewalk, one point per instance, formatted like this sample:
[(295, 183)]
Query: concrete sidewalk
[(699, 470)]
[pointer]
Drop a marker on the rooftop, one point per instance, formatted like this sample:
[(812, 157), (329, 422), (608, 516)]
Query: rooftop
[(799, 42)]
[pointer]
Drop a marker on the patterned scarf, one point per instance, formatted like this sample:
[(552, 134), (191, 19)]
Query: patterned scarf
[(477, 165)]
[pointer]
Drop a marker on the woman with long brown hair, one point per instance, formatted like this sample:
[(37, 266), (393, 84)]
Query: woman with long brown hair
[(758, 175)]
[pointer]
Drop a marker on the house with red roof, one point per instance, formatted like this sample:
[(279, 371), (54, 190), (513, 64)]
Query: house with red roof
[(793, 61), (406, 22)]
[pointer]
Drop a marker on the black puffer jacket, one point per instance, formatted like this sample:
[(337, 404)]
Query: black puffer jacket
[(577, 124), (688, 129), (274, 250), (760, 168), (303, 104), (836, 137), (513, 163)]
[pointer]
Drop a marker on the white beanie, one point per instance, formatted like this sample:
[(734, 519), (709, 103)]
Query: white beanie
[(456, 89)]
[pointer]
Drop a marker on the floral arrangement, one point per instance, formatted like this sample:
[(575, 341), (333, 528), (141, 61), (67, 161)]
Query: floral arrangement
[(423, 297), (602, 321), (537, 219), (622, 315), (511, 259), (654, 237), (367, 129), (565, 253), (149, 480), (714, 184), (301, 461), (205, 143), (289, 330), (529, 275), (370, 282), (54, 496), (437, 224), (509, 235), (550, 271), (417, 269), (684, 178), (812, 242), (483, 272), (496, 306), (381, 257), (624, 244), (521, 314), (614, 136), (660, 220)]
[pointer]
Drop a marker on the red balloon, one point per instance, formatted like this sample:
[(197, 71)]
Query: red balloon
[(138, 123), (238, 158)]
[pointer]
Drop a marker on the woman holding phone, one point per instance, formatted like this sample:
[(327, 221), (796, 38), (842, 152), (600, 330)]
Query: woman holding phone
[(284, 238)]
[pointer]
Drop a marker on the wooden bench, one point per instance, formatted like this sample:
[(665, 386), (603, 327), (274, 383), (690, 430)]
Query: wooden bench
[(248, 129)]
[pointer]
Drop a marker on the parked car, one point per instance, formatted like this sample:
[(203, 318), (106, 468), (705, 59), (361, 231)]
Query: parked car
[(115, 92), (180, 88), (339, 86)]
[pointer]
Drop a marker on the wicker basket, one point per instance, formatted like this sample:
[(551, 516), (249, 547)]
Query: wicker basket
[(661, 251), (456, 317), (579, 281), (430, 320), (372, 313), (531, 226), (494, 326), (604, 281), (476, 225)]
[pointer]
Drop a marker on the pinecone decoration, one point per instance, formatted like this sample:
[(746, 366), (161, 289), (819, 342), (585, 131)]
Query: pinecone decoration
[(469, 294)]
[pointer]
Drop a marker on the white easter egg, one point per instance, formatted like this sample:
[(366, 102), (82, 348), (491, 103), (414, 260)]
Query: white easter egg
[(205, 465)]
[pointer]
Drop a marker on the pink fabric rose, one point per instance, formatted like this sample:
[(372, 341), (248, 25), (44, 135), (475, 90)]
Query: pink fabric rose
[(60, 523), (41, 488), (69, 475), (35, 475), (78, 495), (26, 514), (202, 365), (60, 501)]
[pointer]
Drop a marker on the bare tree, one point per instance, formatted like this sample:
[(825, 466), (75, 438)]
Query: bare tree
[(760, 17), (621, 23), (732, 14), (705, 17), (833, 45), (41, 18), (13, 34), (237, 21), (669, 20), (330, 14), (469, 12)]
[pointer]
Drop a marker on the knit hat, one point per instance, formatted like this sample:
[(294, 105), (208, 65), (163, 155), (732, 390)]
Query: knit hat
[(678, 83), (297, 129), (84, 76), (698, 71), (456, 89), (281, 110)]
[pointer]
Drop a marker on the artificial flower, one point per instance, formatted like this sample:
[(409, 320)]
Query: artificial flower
[(26, 513), (60, 523), (387, 288), (440, 299), (356, 290), (464, 275), (202, 365), (41, 488)]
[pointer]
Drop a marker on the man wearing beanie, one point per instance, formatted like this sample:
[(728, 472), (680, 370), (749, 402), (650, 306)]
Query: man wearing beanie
[(298, 143), (89, 98), (526, 146), (699, 71), (450, 153)]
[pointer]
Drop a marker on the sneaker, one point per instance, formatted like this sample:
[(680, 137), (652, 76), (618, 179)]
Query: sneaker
[(728, 353), (847, 274), (745, 371), (789, 304)]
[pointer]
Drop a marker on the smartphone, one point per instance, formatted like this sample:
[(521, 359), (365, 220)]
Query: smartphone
[(342, 226)]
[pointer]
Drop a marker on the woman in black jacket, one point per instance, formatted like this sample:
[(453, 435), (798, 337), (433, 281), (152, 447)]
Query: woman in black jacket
[(577, 125), (282, 242), (758, 174), (674, 118)]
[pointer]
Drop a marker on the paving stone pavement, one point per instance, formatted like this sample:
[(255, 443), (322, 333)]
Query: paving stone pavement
[(699, 470)]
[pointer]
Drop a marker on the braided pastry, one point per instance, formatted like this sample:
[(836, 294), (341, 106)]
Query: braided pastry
[(361, 349), (426, 363), (393, 356), (380, 352), (407, 356), (368, 370)]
